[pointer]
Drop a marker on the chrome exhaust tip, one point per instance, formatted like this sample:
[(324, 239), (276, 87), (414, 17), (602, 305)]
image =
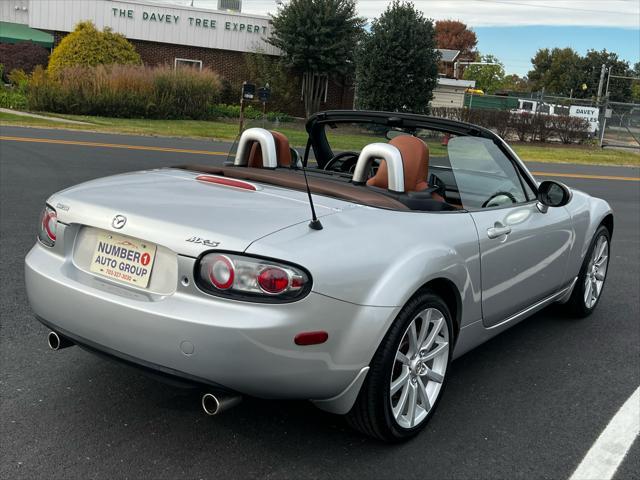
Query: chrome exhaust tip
[(57, 342), (213, 404)]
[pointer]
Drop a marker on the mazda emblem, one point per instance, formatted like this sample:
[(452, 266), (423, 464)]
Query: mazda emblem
[(119, 221)]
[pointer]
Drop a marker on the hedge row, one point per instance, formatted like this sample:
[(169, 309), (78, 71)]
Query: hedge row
[(233, 111), (128, 92), (521, 126), (125, 91)]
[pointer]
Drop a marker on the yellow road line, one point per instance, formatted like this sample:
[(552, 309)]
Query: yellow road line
[(112, 145), (585, 176), (218, 154)]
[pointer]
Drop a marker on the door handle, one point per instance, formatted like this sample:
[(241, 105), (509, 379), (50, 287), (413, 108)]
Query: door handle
[(498, 230)]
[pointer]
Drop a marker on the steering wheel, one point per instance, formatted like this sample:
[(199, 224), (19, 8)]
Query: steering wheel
[(497, 194), (341, 157)]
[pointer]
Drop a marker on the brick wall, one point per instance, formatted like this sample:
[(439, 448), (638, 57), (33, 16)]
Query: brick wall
[(230, 65)]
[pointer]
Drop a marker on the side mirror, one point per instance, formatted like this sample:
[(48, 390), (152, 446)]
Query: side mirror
[(552, 194)]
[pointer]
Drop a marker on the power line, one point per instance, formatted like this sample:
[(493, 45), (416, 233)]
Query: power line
[(554, 7)]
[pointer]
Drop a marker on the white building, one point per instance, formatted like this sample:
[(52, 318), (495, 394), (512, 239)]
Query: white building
[(450, 92)]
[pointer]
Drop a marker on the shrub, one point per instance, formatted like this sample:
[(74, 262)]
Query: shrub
[(521, 125), (525, 126), (250, 112), (23, 56), (571, 129), (450, 113), (496, 120), (229, 93), (125, 91), (43, 93), (543, 127), (87, 46), (501, 122), (185, 92), (19, 79), (10, 98)]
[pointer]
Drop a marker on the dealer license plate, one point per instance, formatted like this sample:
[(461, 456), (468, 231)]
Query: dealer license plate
[(124, 259)]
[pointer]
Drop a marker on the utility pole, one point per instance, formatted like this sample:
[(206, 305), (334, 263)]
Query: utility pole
[(601, 84), (603, 124)]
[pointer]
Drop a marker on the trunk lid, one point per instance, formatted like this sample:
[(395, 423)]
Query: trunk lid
[(171, 208)]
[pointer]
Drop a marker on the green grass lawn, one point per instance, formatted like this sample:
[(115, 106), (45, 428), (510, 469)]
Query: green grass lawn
[(227, 130)]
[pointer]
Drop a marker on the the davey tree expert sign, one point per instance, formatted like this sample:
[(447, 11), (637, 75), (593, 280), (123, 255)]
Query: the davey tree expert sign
[(590, 114), (196, 22)]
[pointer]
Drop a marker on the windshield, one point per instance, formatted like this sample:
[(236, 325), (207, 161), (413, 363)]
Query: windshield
[(354, 136)]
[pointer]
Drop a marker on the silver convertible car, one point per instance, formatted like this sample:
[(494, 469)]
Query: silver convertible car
[(349, 273)]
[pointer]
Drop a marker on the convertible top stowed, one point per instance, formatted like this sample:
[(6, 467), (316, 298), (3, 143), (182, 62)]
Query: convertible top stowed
[(293, 179)]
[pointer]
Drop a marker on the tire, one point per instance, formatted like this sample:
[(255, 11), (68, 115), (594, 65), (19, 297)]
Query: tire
[(581, 304), (426, 374)]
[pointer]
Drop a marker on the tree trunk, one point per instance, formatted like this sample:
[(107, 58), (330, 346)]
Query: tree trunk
[(312, 91)]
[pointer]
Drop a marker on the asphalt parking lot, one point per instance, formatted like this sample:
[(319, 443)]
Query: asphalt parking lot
[(527, 404)]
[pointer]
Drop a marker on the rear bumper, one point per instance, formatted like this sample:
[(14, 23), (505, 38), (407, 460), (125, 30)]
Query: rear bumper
[(243, 347)]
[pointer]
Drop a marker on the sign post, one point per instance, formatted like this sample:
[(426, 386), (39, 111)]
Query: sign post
[(263, 95), (248, 93)]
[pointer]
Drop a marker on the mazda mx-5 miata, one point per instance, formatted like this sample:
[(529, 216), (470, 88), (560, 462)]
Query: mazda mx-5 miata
[(349, 273)]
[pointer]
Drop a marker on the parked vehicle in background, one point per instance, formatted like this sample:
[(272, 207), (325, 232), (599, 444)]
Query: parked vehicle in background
[(589, 114)]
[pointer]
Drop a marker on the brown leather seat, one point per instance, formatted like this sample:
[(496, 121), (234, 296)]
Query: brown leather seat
[(415, 162), (283, 152)]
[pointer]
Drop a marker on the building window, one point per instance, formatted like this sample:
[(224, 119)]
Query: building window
[(185, 62)]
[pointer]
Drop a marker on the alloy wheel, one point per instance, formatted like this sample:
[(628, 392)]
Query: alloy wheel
[(419, 368), (596, 272)]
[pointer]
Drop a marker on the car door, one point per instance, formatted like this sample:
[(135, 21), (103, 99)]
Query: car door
[(523, 251)]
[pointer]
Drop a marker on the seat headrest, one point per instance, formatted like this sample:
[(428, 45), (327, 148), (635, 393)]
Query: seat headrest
[(283, 152), (415, 162)]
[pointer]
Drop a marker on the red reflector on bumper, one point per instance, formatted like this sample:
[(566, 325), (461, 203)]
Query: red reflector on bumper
[(227, 182), (311, 338)]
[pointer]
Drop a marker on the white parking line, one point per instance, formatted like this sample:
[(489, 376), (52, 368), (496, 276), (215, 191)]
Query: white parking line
[(605, 456)]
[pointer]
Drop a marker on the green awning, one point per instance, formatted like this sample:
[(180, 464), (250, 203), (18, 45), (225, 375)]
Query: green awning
[(17, 32)]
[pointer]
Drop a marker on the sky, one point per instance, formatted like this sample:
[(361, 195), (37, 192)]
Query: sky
[(513, 30)]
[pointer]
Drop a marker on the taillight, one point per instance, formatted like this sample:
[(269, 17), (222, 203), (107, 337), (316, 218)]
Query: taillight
[(48, 226), (252, 279), (221, 272), (273, 280)]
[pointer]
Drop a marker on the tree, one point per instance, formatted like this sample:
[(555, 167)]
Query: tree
[(635, 85), (515, 83), (455, 35), (562, 71), (317, 39), (22, 56), (397, 65), (87, 46), (489, 78), (557, 71), (619, 88), (267, 69)]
